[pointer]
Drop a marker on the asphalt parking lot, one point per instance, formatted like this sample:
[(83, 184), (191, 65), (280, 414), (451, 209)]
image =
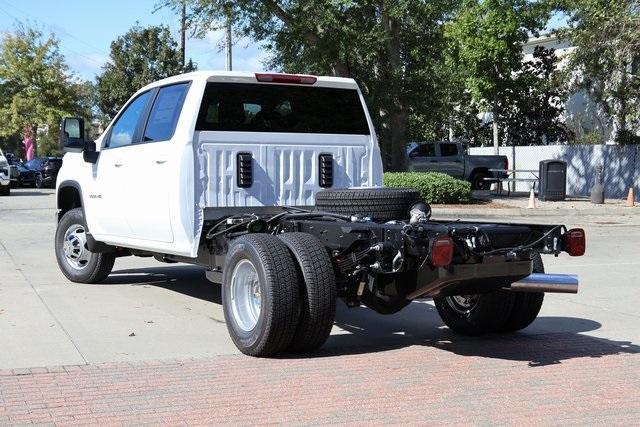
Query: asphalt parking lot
[(153, 335)]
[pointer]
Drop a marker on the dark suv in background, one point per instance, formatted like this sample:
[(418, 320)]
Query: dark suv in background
[(41, 172)]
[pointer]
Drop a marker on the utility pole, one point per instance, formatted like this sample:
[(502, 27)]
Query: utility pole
[(228, 42), (183, 30)]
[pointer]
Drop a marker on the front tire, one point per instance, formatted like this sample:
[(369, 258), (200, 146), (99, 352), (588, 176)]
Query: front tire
[(475, 314), (260, 295), (75, 260)]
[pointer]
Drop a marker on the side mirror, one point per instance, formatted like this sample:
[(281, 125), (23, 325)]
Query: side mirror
[(72, 135)]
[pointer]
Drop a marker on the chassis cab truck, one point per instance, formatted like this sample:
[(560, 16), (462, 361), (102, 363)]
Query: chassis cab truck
[(273, 184)]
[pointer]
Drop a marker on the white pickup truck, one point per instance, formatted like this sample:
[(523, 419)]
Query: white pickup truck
[(272, 183)]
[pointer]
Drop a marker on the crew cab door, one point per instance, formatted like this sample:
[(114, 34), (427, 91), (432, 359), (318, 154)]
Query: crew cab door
[(152, 164), (451, 159), (423, 158), (107, 199)]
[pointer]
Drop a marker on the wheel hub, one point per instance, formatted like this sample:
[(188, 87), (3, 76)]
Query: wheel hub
[(462, 304), (246, 295), (74, 247)]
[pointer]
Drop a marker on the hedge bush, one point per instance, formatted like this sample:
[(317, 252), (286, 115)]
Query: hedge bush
[(435, 187)]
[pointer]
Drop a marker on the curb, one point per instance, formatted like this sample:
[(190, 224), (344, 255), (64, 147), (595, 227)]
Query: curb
[(492, 212)]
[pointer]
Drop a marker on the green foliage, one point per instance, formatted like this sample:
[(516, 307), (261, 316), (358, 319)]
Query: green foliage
[(587, 138), (484, 52), (606, 60), (139, 57), (532, 108), (435, 187), (36, 88)]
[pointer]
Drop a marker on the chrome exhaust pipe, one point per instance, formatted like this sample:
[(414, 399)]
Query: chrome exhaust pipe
[(539, 282)]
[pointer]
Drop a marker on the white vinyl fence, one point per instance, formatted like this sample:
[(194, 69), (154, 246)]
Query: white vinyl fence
[(621, 165)]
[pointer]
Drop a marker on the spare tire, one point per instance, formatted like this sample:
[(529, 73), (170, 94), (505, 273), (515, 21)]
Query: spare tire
[(380, 204)]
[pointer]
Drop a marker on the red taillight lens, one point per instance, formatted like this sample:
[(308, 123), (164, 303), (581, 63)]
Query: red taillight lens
[(575, 242), (506, 164), (441, 251), (301, 79)]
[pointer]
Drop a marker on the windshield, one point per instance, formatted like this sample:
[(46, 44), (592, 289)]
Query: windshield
[(281, 108)]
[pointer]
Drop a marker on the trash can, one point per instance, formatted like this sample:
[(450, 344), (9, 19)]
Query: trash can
[(553, 180)]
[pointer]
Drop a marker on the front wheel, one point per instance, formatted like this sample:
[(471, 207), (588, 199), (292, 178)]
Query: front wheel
[(75, 260)]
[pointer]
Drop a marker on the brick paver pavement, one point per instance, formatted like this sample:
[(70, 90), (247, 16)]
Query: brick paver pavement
[(554, 379)]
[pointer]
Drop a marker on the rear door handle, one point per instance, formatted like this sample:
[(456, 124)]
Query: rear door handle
[(161, 161), (433, 161), (118, 164)]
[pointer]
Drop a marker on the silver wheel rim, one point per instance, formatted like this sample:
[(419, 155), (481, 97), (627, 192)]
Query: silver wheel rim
[(74, 247), (462, 304), (246, 295)]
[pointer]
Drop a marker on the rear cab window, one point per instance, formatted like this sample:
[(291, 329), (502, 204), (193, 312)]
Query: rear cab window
[(246, 107)]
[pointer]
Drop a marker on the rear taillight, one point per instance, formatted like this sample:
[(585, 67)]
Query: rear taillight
[(301, 79), (441, 251), (506, 164), (575, 242)]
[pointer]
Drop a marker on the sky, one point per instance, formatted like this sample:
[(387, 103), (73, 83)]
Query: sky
[(86, 29)]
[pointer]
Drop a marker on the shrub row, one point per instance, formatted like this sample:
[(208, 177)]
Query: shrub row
[(435, 187)]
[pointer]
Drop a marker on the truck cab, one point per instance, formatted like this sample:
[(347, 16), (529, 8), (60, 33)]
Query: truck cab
[(183, 149)]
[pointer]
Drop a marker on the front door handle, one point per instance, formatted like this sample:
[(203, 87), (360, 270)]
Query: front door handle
[(161, 161), (433, 161), (118, 164)]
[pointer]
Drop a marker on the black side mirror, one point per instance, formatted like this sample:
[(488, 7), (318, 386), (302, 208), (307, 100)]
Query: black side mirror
[(71, 137)]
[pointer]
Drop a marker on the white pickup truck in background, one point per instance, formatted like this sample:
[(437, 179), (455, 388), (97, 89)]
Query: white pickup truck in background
[(272, 183), (5, 179)]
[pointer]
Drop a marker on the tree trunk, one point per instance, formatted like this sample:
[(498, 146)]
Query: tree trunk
[(496, 135), (398, 117), (399, 122)]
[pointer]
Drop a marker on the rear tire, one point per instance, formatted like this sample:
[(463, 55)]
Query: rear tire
[(260, 295), (5, 191), (526, 305), (39, 182), (381, 204), (478, 181), (475, 314), (318, 293), (75, 260)]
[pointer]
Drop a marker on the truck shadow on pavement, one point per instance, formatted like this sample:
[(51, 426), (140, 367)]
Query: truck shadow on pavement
[(549, 340)]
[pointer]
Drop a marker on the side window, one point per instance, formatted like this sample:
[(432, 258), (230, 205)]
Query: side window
[(423, 150), (165, 112), (447, 150), (124, 128)]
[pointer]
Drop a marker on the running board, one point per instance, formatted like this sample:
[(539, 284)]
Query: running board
[(538, 282)]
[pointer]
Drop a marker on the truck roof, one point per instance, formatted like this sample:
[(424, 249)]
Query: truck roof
[(247, 77)]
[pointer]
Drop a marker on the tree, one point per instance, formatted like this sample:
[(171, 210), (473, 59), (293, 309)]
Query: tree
[(139, 57), (36, 88), (485, 44), (606, 59), (392, 48), (532, 107)]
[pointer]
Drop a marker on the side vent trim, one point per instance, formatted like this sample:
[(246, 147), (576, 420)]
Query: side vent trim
[(244, 168), (325, 170)]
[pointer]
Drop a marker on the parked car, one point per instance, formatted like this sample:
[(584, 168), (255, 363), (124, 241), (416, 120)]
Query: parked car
[(46, 176), (40, 172), (248, 176), (27, 172), (5, 180), (452, 158)]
